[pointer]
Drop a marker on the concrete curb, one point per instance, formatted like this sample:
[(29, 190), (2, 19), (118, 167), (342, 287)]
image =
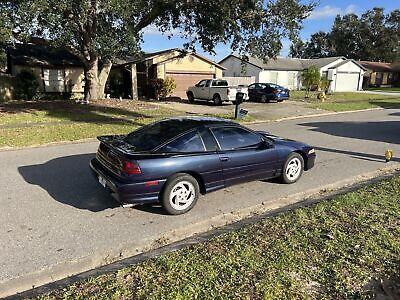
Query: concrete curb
[(84, 264)]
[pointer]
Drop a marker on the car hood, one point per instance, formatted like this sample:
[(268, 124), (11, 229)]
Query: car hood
[(285, 142)]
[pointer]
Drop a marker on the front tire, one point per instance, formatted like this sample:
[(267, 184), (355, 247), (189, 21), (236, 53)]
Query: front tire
[(293, 168), (180, 194), (190, 97)]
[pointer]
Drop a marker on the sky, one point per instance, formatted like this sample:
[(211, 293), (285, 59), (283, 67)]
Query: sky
[(320, 19)]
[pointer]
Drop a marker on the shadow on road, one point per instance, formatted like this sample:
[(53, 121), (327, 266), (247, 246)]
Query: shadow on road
[(69, 180), (385, 131), (357, 155)]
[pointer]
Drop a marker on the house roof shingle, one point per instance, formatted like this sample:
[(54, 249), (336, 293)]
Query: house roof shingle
[(289, 64), (37, 55), (381, 66), (149, 55)]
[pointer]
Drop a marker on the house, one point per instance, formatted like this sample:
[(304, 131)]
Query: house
[(186, 68), (59, 71), (344, 74), (56, 70), (381, 74)]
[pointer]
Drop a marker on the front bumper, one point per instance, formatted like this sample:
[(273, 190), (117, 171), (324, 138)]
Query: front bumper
[(126, 192), (310, 162)]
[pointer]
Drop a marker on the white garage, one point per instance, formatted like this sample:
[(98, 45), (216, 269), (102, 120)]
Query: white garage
[(346, 82), (346, 76)]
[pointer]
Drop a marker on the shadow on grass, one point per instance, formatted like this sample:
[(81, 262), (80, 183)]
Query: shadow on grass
[(386, 104), (69, 111), (69, 180)]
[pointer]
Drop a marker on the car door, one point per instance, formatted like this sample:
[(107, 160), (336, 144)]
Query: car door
[(195, 152), (204, 89), (244, 154), (252, 91), (200, 88)]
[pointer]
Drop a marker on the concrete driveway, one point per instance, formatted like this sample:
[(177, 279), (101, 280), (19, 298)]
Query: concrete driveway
[(56, 220), (260, 111)]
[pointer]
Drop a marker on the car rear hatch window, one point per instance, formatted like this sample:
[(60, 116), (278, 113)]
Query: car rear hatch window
[(149, 137)]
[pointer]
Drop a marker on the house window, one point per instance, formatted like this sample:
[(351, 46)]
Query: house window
[(54, 80), (274, 77), (291, 80)]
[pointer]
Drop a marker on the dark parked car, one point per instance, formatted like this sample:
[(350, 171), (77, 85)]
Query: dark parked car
[(174, 160), (264, 92)]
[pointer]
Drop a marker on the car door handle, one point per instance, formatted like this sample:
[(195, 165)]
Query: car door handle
[(224, 158)]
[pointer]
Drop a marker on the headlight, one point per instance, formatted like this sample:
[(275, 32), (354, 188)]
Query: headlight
[(311, 151)]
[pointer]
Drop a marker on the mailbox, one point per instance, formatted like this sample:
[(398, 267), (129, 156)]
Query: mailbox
[(239, 100), (239, 97)]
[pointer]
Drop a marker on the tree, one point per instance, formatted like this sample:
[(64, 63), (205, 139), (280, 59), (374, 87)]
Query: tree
[(297, 49), (345, 37), (372, 36), (310, 77), (316, 47), (5, 35), (393, 25), (98, 31)]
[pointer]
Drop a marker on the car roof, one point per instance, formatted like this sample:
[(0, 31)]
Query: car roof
[(191, 122)]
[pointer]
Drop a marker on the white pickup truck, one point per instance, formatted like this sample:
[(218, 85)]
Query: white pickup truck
[(217, 90)]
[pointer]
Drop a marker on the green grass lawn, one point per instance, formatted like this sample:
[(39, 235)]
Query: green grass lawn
[(37, 123), (347, 101), (42, 122), (338, 249)]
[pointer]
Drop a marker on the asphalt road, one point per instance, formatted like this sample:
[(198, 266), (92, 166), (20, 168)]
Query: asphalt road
[(55, 219)]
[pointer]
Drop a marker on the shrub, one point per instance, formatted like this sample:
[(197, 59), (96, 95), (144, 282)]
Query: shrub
[(310, 77), (27, 86), (163, 87)]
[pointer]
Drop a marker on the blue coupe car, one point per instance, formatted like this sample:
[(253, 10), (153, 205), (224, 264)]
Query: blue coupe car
[(264, 92), (175, 160)]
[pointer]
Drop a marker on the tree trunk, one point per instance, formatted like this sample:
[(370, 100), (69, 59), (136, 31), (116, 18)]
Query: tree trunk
[(95, 83), (91, 80), (105, 71)]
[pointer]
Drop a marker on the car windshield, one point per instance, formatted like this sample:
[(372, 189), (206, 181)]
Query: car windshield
[(149, 137)]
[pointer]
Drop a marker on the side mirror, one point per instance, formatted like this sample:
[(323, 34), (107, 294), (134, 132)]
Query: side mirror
[(264, 145)]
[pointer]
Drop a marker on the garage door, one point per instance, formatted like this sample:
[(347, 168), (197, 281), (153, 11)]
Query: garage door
[(347, 82), (183, 81)]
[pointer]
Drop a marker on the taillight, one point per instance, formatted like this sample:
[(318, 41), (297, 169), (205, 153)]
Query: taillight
[(131, 168)]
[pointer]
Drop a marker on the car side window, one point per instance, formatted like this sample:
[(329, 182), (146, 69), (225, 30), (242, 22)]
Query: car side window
[(208, 83), (190, 142), (252, 86), (202, 83), (231, 138)]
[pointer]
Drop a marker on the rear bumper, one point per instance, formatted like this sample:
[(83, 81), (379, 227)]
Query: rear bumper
[(127, 192)]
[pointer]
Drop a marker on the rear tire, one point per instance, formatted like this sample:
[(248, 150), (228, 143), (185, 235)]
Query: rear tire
[(217, 100), (180, 194), (264, 99), (293, 168)]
